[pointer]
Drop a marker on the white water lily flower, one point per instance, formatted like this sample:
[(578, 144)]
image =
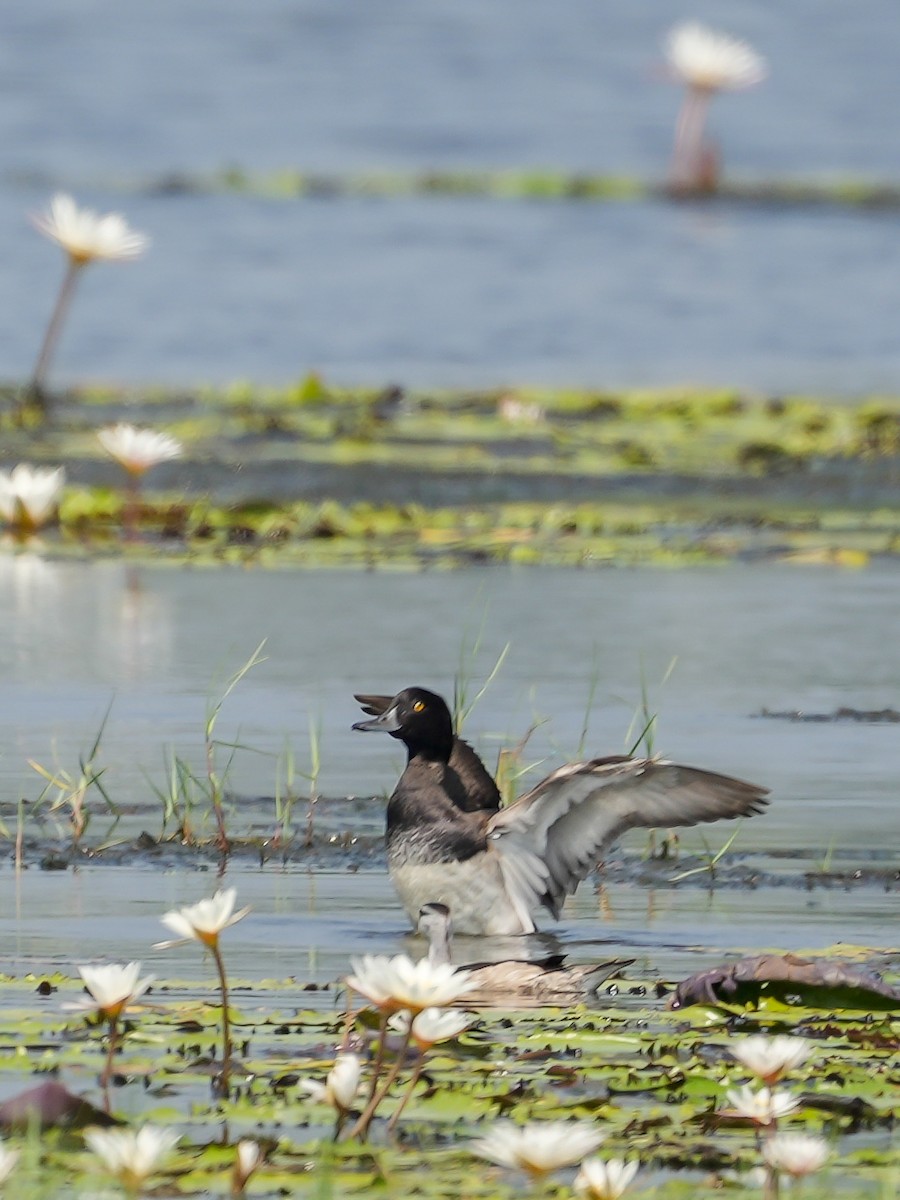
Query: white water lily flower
[(132, 1155), (341, 1085), (399, 983), (795, 1153), (762, 1106), (8, 1160), (29, 496), (203, 921), (86, 236), (712, 61), (431, 1025), (539, 1146), (137, 450), (113, 988), (770, 1058), (249, 1158), (604, 1180), (511, 408)]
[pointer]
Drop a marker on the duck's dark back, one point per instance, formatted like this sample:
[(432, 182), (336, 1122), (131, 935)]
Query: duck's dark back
[(481, 794)]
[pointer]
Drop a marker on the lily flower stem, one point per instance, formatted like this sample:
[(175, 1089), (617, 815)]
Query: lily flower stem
[(131, 509), (688, 153), (63, 300), (348, 1023), (112, 1046), (361, 1128), (413, 1080), (771, 1188), (379, 1057), (224, 1078)]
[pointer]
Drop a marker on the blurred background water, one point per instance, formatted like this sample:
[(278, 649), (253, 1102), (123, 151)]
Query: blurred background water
[(100, 98)]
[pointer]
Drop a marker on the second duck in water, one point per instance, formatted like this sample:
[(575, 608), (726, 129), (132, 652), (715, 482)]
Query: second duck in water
[(494, 868), (548, 980)]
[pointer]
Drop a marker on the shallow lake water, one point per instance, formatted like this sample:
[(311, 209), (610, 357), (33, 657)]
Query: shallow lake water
[(113, 102), (436, 291), (158, 643), (304, 925)]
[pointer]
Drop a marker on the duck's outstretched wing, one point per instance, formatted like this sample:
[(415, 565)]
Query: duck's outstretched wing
[(479, 792), (571, 816)]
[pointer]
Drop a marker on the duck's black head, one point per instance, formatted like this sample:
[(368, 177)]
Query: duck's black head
[(420, 719)]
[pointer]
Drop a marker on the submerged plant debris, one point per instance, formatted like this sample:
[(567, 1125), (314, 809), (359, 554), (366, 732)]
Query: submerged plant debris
[(315, 475)]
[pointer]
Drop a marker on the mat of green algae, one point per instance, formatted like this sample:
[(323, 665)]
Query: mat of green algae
[(318, 476)]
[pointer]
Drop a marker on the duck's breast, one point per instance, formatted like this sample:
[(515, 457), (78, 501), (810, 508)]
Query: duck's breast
[(473, 890)]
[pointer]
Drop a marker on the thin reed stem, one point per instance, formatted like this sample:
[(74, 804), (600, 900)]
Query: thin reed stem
[(112, 1046), (20, 832)]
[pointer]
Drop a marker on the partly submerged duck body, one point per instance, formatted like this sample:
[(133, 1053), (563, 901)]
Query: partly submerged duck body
[(548, 980), (495, 869)]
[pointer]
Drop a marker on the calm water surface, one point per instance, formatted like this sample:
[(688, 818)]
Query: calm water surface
[(159, 643), (304, 926), (437, 292)]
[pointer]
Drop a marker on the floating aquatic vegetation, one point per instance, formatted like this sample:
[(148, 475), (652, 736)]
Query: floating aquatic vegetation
[(315, 476), (652, 1082)]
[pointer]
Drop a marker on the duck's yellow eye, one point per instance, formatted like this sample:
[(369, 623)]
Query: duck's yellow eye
[(419, 706)]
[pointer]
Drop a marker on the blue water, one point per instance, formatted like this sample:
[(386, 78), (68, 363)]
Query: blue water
[(101, 97), (714, 647)]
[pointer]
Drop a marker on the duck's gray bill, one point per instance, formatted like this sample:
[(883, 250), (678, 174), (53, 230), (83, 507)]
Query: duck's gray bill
[(386, 723)]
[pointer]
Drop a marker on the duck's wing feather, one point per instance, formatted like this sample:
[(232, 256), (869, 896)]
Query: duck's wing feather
[(526, 877), (568, 818)]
